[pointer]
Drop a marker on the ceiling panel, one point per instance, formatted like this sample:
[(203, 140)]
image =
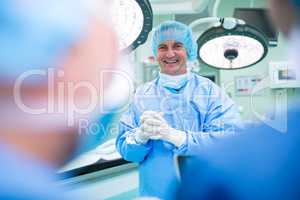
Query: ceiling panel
[(179, 6)]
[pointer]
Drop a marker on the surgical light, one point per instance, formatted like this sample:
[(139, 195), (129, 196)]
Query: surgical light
[(231, 45), (133, 22)]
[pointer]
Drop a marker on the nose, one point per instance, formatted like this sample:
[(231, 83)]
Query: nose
[(170, 53)]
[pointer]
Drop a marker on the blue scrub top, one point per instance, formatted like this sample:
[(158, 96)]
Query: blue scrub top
[(200, 109)]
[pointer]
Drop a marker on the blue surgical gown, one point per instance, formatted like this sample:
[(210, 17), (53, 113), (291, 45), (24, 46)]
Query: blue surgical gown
[(200, 109), (262, 163)]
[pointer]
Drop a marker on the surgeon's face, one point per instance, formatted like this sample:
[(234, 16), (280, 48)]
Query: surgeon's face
[(172, 57)]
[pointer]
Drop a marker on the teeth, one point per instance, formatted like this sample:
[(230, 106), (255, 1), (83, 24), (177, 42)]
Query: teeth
[(170, 62)]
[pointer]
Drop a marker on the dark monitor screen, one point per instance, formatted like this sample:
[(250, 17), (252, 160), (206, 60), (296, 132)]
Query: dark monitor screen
[(260, 19)]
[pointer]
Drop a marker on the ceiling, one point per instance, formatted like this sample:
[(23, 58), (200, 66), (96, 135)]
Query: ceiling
[(179, 6)]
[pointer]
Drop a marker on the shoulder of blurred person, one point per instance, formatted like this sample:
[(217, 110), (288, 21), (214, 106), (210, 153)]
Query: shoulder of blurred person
[(22, 177), (261, 163)]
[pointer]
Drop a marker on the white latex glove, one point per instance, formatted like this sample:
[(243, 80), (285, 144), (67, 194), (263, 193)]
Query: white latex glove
[(142, 134), (151, 114), (158, 128)]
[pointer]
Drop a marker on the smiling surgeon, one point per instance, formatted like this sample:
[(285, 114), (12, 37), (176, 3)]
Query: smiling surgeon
[(174, 114)]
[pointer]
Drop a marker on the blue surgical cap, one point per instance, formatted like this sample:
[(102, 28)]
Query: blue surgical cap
[(34, 34), (172, 30)]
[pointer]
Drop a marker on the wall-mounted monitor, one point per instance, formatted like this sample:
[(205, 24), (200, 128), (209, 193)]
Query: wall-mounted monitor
[(284, 75)]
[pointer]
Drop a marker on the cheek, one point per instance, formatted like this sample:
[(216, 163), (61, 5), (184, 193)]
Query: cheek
[(159, 57), (183, 55)]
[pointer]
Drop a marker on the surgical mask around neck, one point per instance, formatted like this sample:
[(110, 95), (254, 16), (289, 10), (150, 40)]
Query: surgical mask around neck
[(173, 82)]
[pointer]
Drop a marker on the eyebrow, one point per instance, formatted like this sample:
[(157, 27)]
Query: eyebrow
[(178, 43)]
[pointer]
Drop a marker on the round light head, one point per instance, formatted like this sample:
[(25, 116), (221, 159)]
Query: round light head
[(132, 21), (240, 47)]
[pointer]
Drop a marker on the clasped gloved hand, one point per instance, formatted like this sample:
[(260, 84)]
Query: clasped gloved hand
[(156, 127), (142, 133)]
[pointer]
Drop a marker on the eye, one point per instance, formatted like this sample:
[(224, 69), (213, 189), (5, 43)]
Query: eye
[(162, 47), (178, 46)]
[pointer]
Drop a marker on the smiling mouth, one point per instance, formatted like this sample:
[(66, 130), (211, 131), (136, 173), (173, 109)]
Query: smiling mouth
[(170, 61)]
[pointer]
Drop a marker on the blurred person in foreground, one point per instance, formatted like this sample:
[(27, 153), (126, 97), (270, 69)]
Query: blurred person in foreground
[(51, 57), (263, 163)]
